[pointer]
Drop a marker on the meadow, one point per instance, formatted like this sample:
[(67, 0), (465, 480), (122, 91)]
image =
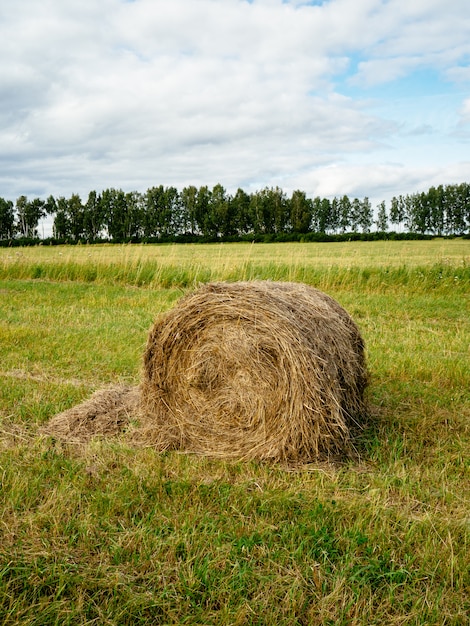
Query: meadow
[(112, 534)]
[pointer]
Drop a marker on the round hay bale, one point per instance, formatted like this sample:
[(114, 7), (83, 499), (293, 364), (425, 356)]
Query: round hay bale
[(246, 370)]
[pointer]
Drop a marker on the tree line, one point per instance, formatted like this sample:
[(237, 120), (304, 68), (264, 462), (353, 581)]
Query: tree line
[(166, 214)]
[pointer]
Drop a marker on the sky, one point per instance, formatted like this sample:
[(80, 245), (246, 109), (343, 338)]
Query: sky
[(357, 97)]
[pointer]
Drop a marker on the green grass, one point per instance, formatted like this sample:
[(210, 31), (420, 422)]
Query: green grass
[(115, 535), (375, 264)]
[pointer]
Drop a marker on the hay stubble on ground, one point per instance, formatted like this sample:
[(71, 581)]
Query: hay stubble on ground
[(107, 413)]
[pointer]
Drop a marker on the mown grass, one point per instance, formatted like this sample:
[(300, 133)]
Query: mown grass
[(114, 535)]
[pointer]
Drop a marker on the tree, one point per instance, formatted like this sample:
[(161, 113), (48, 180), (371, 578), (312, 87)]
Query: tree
[(188, 199), (135, 208), (202, 211), (157, 212), (418, 212), (174, 207), (335, 215), (50, 206), (280, 209), (270, 211), (457, 208), (355, 216), (76, 217), (435, 202), (257, 213), (344, 214), (324, 216), (316, 212), (397, 210), (464, 199), (23, 225), (93, 216), (7, 219), (382, 219), (241, 212), (220, 219), (28, 215), (61, 225), (300, 212), (119, 219), (365, 215)]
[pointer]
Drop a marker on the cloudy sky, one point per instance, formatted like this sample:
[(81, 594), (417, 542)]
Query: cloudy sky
[(357, 97)]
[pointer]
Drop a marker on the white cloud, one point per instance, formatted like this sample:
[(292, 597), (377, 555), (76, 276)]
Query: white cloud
[(131, 94)]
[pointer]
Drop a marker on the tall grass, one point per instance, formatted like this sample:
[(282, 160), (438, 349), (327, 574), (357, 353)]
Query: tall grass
[(113, 535), (186, 266)]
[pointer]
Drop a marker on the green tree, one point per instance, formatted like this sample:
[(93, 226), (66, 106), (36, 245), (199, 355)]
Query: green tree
[(280, 209), (316, 212), (241, 212), (454, 221), (435, 200), (175, 210), (270, 211), (7, 219), (323, 219), (120, 221), (135, 203), (300, 212), (202, 211), (220, 218), (157, 215), (50, 206), (61, 225), (457, 208), (355, 216), (76, 217), (382, 219), (257, 213), (188, 200), (28, 214), (463, 191), (335, 215), (398, 211), (93, 216), (418, 212), (365, 220), (344, 214)]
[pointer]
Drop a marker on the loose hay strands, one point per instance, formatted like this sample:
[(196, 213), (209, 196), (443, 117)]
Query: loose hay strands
[(249, 370), (107, 413)]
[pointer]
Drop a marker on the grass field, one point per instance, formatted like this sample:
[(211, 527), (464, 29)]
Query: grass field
[(110, 534)]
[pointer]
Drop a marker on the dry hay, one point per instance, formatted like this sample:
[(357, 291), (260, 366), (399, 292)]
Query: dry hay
[(257, 369), (244, 370), (107, 413)]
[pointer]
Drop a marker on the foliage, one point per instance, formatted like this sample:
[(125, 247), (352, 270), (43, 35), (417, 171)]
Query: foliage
[(165, 214), (28, 214), (7, 219)]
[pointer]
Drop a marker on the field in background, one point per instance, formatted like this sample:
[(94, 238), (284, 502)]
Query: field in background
[(352, 264), (113, 535), (348, 254)]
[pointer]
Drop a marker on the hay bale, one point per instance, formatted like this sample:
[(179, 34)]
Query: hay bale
[(107, 413), (250, 370), (242, 370)]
